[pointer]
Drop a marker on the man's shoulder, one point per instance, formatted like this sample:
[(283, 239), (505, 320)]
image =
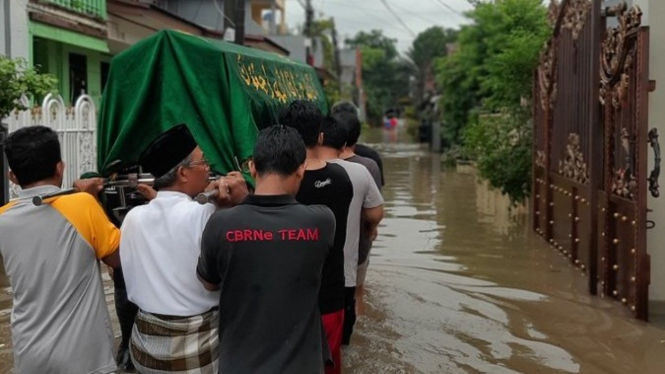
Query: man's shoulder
[(224, 215), (365, 161), (336, 170), (365, 151), (318, 214), (358, 173), (7, 206), (75, 198), (349, 166), (315, 209)]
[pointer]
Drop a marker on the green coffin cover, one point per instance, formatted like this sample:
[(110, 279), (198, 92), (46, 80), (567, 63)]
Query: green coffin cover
[(225, 92)]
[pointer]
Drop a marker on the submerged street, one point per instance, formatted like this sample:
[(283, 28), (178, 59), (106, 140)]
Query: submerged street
[(458, 284)]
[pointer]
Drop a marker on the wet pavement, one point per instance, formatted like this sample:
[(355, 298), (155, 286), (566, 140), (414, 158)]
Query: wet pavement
[(458, 284)]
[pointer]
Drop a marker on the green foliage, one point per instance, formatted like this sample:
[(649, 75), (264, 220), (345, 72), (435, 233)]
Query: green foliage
[(376, 40), (320, 30), (492, 72), (17, 79), (385, 74), (428, 46), (501, 144), (332, 91)]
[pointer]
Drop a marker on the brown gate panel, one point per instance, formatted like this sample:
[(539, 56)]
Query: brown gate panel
[(623, 95), (590, 147), (581, 233), (623, 246)]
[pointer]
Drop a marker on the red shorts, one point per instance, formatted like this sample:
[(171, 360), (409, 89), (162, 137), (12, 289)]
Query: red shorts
[(333, 323)]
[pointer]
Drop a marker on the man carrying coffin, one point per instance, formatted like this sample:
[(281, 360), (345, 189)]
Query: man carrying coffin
[(176, 326)]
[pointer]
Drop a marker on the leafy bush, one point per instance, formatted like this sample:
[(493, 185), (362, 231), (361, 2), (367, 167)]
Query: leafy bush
[(501, 145), (16, 80), (486, 90)]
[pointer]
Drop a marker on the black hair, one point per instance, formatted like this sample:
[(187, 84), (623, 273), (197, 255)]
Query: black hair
[(33, 154), (335, 134), (352, 124), (278, 150), (344, 107), (305, 117)]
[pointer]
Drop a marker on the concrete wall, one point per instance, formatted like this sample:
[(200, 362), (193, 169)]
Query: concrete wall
[(3, 29), (14, 29), (653, 12), (205, 13)]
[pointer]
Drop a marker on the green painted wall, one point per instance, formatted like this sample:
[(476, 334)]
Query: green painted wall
[(53, 57)]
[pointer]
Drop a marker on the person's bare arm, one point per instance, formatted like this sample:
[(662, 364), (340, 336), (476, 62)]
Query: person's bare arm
[(372, 217), (91, 185), (112, 260)]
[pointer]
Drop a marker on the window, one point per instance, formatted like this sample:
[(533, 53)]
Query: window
[(78, 76)]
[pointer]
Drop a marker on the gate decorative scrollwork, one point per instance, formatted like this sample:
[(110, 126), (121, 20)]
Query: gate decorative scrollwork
[(590, 116), (573, 165), (617, 55)]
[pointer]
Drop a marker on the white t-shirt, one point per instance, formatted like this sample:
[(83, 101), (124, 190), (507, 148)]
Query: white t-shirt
[(160, 244), (365, 195)]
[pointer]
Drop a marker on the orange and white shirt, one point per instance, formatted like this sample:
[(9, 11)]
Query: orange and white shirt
[(60, 322)]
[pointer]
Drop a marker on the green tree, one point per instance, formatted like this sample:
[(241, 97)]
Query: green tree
[(18, 79), (375, 40), (385, 73), (486, 89), (429, 45)]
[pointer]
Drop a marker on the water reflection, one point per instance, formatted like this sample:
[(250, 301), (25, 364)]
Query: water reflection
[(458, 284)]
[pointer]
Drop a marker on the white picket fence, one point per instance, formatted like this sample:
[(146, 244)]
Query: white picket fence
[(76, 127)]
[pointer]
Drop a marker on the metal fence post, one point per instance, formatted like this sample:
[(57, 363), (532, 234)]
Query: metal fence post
[(4, 182)]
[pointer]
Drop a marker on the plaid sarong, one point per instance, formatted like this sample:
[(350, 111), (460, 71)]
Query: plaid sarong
[(165, 344)]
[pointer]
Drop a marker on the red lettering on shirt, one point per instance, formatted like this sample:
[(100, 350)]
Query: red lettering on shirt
[(248, 235), (312, 234), (230, 237)]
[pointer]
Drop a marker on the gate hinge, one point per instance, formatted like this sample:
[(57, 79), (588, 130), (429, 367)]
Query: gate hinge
[(652, 85)]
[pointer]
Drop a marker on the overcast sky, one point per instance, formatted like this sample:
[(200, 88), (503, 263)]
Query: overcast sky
[(352, 16)]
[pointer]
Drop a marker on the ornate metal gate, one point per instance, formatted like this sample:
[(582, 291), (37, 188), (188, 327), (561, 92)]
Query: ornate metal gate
[(590, 147)]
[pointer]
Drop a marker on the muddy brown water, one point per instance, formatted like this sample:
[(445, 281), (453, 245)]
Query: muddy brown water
[(458, 284)]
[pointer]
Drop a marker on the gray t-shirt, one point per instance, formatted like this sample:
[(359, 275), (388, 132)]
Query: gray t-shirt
[(60, 322), (365, 195), (365, 245), (371, 165)]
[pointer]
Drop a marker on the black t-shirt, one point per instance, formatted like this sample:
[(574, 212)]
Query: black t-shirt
[(330, 186), (365, 151), (267, 254)]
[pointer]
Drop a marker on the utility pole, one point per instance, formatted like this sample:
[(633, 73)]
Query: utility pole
[(338, 63), (240, 22), (273, 10), (309, 18), (234, 18)]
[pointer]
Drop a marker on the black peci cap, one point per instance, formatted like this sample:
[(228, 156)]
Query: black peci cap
[(167, 151)]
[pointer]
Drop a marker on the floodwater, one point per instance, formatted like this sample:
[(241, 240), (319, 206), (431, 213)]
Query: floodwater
[(458, 284)]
